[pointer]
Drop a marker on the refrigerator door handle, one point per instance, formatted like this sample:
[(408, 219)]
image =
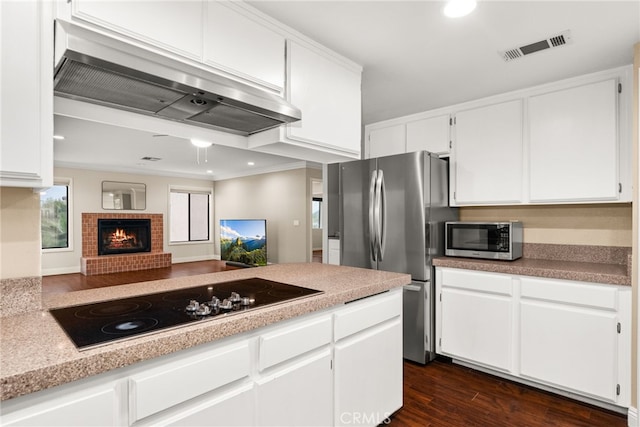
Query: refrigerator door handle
[(372, 228), (382, 214)]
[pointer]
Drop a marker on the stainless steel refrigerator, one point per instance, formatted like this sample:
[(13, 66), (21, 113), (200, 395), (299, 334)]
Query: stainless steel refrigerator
[(392, 212)]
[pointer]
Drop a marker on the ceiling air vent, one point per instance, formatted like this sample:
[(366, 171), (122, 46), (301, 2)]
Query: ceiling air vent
[(553, 41), (150, 159)]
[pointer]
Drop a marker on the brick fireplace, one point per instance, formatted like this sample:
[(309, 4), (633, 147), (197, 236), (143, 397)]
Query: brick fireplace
[(93, 263)]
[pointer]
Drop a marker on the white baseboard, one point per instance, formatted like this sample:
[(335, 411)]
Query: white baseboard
[(632, 417), (175, 260), (63, 270)]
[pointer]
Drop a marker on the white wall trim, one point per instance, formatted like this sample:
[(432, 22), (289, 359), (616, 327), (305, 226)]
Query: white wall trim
[(63, 270), (194, 259), (632, 417)]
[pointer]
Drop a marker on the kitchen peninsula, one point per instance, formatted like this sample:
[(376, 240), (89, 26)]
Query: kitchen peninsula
[(262, 358)]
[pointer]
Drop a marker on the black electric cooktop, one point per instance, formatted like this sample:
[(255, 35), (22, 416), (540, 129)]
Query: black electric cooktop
[(100, 323)]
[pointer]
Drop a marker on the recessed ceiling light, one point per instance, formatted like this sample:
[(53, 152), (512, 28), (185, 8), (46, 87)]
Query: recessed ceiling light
[(58, 137), (201, 143), (459, 8), (209, 171), (250, 163)]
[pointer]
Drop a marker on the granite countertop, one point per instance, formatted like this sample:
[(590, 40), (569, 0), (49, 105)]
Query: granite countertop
[(36, 354), (606, 265)]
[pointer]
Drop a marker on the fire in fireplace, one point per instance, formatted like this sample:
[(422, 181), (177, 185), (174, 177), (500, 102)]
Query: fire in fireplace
[(123, 236)]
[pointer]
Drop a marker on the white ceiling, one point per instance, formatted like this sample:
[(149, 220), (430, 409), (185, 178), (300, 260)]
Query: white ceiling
[(414, 60)]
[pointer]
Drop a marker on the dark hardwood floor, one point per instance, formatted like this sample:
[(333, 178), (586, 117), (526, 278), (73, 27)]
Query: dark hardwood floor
[(439, 394), (443, 394)]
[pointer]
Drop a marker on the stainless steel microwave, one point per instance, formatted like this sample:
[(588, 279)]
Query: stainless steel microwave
[(489, 240)]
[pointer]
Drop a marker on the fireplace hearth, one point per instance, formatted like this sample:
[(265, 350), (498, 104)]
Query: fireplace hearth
[(123, 236)]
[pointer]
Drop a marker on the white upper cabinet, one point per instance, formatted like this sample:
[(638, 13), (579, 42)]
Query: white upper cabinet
[(574, 144), (328, 94), (430, 134), (238, 42), (326, 88), (408, 134), (26, 106), (487, 155), (173, 25), (387, 141)]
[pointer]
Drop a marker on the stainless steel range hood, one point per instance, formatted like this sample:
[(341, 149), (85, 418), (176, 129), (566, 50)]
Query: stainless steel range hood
[(98, 69)]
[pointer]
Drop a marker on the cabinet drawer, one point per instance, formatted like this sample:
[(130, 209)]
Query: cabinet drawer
[(180, 380), (363, 314), (578, 293), (285, 344), (477, 281)]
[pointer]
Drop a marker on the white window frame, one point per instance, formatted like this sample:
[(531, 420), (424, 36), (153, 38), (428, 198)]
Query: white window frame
[(186, 189), (70, 215)]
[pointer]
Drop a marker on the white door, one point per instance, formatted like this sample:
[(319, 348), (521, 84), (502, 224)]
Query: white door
[(368, 375), (487, 164), (298, 395), (573, 144), (387, 141), (477, 327), (431, 134), (571, 347)]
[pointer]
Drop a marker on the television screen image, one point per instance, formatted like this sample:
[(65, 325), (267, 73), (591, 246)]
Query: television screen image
[(244, 241)]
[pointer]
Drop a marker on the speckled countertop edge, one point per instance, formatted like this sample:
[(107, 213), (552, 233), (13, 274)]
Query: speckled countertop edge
[(35, 353), (593, 272)]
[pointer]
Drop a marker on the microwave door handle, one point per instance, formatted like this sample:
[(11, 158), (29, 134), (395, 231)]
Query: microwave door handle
[(382, 214), (372, 228)]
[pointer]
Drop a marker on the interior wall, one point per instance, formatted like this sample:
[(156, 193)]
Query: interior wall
[(87, 197), (595, 224), (20, 233), (282, 198)]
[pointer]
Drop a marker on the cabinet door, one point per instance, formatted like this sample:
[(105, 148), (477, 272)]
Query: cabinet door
[(431, 134), (231, 408), (573, 144), (569, 335), (569, 347), (26, 105), (298, 395), (170, 24), (387, 141), (328, 94), (334, 252), (488, 154), (91, 406), (477, 327), (368, 375), (237, 43)]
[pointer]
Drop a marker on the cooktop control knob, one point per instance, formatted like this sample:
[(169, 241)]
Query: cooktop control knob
[(193, 305), (214, 302), (234, 298), (226, 304), (245, 301), (203, 310)]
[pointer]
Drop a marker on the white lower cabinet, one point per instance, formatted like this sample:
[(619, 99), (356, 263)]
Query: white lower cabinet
[(181, 379), (571, 337), (368, 361), (317, 369), (334, 252), (476, 318), (297, 395), (569, 341), (86, 404), (233, 408)]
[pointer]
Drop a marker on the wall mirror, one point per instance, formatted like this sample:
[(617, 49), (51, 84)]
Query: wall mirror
[(124, 195)]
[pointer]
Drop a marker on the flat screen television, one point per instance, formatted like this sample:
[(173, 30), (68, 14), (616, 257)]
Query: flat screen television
[(244, 241)]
